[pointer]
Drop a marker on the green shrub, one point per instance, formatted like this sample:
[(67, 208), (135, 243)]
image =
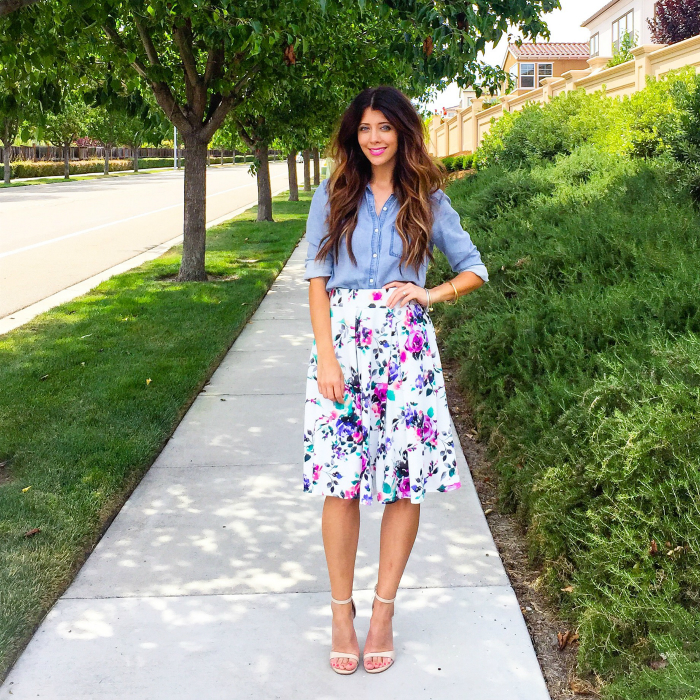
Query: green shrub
[(449, 163), (582, 360), (47, 168)]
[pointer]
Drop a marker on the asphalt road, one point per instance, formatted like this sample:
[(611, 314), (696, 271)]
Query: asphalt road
[(54, 236)]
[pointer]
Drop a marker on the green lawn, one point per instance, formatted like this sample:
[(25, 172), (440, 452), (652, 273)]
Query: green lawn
[(92, 390)]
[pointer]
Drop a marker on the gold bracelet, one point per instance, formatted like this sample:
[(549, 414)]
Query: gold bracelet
[(456, 293)]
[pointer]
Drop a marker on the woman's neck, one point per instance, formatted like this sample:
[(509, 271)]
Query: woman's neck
[(383, 175)]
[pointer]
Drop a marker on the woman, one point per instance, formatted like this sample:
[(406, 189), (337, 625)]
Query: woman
[(376, 425)]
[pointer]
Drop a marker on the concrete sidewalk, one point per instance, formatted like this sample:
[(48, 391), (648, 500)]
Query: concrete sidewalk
[(211, 584)]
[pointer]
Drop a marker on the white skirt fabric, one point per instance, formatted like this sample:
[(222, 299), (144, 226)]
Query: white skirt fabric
[(392, 436)]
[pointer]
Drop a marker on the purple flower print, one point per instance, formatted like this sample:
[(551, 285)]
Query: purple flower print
[(380, 392), (344, 427), (404, 487), (364, 337), (415, 342), (393, 371), (402, 357), (376, 296)]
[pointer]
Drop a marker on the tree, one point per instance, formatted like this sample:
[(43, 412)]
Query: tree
[(675, 20), (107, 126), (201, 58), (25, 90), (8, 6), (623, 53), (64, 126)]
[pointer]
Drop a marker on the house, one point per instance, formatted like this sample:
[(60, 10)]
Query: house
[(610, 23), (529, 63), (466, 97)]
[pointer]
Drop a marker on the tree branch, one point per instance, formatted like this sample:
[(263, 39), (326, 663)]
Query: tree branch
[(217, 117), (198, 98), (8, 6), (147, 42), (215, 62), (113, 35), (249, 141)]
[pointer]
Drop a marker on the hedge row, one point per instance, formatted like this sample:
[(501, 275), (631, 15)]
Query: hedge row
[(47, 168)]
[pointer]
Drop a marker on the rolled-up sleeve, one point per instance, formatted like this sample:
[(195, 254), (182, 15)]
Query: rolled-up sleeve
[(453, 240), (315, 231)]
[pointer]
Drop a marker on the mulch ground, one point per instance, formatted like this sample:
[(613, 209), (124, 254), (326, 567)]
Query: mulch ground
[(555, 651)]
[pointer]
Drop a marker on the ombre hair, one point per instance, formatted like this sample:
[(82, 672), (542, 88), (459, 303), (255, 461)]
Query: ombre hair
[(416, 177)]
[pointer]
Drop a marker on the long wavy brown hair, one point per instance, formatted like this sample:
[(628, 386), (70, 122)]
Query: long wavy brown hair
[(416, 177)]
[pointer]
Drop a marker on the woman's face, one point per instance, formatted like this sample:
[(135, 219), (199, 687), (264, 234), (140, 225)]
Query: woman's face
[(377, 137)]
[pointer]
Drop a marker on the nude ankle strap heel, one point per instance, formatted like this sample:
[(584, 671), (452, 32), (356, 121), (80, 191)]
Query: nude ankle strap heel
[(381, 654), (344, 654)]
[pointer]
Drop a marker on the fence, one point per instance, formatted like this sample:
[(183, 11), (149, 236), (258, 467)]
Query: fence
[(36, 153), (464, 132)]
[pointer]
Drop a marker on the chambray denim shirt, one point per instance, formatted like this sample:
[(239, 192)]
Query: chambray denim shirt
[(378, 247)]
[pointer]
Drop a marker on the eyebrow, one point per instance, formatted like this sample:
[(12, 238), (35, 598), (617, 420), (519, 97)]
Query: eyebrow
[(368, 124)]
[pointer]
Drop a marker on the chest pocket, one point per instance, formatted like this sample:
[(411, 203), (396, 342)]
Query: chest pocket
[(396, 244)]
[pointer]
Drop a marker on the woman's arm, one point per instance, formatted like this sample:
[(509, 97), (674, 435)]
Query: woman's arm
[(331, 382), (464, 283)]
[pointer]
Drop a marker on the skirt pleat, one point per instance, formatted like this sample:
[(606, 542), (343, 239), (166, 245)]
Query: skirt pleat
[(392, 436)]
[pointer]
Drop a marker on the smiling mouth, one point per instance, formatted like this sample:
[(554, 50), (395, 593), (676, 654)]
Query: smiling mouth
[(377, 151)]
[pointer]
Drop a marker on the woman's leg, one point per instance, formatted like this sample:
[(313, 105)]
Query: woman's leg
[(341, 529), (399, 529)]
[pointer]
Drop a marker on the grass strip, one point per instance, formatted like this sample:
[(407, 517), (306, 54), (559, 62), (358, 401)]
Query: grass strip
[(93, 389)]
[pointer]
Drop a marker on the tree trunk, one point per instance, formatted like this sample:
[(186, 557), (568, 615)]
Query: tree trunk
[(222, 156), (317, 168), (6, 164), (66, 161), (194, 244), (264, 185), (6, 154), (108, 148), (307, 170), (293, 183), (135, 157)]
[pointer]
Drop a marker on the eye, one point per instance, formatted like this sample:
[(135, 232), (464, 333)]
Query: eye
[(364, 128), (386, 127)]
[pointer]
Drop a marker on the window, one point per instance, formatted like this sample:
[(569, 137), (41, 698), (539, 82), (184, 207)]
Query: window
[(544, 70), (594, 49), (620, 27), (527, 75)]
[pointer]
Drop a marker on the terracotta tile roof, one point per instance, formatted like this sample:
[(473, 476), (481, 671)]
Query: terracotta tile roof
[(551, 51)]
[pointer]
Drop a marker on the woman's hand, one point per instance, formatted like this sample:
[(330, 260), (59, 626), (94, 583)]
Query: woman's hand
[(405, 292), (330, 379)]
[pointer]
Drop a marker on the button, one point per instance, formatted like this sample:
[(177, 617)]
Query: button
[(384, 209), (375, 255), (376, 230), (371, 281)]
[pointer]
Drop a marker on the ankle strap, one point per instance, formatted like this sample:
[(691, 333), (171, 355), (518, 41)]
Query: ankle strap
[(341, 602), (383, 600)]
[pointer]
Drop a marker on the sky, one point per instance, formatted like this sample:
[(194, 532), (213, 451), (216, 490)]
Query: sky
[(564, 25)]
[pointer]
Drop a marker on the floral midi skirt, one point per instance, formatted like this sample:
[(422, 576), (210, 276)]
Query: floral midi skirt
[(392, 436)]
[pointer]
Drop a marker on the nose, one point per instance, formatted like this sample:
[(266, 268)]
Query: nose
[(375, 135)]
